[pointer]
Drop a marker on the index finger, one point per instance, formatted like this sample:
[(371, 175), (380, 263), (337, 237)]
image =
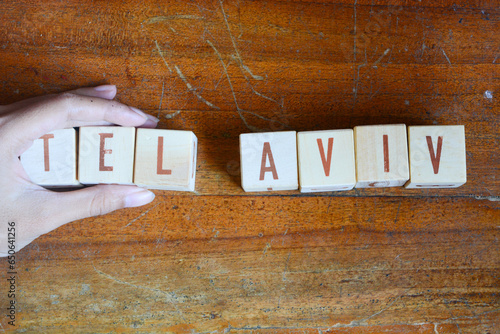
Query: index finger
[(64, 111)]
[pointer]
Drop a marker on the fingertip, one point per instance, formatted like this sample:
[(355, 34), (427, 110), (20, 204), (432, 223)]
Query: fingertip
[(106, 91), (148, 121), (139, 198)]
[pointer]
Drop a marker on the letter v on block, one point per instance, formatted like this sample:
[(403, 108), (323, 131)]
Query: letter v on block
[(437, 156), (268, 161), (326, 160)]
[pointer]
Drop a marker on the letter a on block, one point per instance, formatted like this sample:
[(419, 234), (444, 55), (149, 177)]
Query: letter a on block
[(106, 154), (165, 159), (268, 161), (326, 160), (437, 156), (267, 154), (51, 160), (381, 155)]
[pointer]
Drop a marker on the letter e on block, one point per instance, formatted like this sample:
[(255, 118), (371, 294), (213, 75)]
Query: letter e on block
[(269, 161), (381, 155), (326, 160), (437, 156), (165, 159), (51, 160), (106, 154)]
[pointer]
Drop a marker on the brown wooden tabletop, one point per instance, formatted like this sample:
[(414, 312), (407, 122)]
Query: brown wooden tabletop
[(220, 260)]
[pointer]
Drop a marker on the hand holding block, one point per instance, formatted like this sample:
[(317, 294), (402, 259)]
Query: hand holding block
[(326, 160), (51, 160), (381, 155), (269, 161), (106, 154), (437, 156), (165, 159)]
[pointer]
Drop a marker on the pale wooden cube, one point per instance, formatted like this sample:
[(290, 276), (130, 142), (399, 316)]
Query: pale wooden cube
[(437, 156), (165, 159), (106, 154), (381, 156), (326, 160), (51, 160), (269, 161)]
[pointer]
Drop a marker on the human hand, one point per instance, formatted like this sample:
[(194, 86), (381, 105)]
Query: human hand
[(36, 210)]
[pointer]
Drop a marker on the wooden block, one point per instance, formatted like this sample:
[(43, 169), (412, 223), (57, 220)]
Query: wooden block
[(326, 160), (269, 161), (51, 160), (165, 159), (106, 154), (437, 156), (381, 155)]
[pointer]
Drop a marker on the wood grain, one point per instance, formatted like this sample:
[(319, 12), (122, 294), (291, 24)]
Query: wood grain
[(363, 261)]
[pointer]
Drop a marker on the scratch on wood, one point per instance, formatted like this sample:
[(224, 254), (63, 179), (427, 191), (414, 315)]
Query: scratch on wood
[(448, 59), (256, 77), (382, 56), (230, 34), (169, 295), (243, 67), (250, 127), (172, 115), (489, 198), (157, 19), (191, 89), (161, 99), (162, 57), (397, 213), (140, 216), (357, 322)]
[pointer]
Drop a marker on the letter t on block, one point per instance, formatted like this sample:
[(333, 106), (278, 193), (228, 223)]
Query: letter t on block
[(165, 159), (269, 161), (381, 155), (437, 156), (106, 154), (51, 160)]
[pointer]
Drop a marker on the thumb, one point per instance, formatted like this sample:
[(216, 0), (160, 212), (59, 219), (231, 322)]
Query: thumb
[(97, 200)]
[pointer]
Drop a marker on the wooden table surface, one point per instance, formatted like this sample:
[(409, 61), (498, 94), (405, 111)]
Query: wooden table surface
[(220, 260)]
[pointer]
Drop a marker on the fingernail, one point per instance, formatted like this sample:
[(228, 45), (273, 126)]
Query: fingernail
[(149, 124), (139, 198), (139, 112), (152, 118), (103, 88)]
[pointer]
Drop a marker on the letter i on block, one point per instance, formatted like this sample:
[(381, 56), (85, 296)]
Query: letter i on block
[(269, 161), (51, 160), (106, 154), (165, 159), (326, 160), (381, 155), (437, 156)]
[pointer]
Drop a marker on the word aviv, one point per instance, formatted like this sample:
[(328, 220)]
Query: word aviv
[(151, 158), (369, 156)]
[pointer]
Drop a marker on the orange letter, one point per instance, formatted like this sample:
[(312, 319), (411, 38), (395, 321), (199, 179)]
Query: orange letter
[(326, 161), (386, 154), (102, 152), (266, 151), (437, 157), (159, 162), (46, 150)]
